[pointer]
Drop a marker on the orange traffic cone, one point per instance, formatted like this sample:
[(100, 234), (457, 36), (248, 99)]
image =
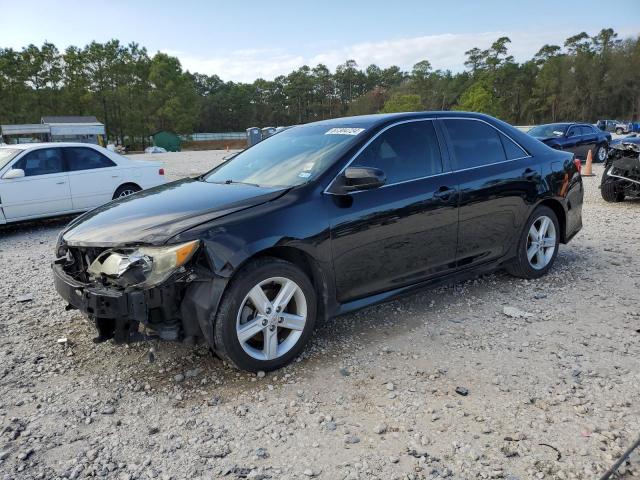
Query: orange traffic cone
[(587, 168)]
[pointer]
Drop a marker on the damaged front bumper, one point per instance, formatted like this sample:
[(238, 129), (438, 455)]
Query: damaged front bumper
[(180, 309), (117, 313)]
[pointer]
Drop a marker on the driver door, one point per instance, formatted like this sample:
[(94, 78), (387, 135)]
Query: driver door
[(404, 231), (43, 191)]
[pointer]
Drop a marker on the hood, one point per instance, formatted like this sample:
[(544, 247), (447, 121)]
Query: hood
[(619, 141), (155, 215)]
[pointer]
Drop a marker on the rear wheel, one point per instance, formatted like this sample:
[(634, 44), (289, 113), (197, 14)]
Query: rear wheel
[(266, 316), (537, 246), (126, 190), (611, 192), (619, 131)]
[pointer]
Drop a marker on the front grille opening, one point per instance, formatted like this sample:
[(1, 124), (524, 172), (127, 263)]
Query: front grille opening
[(81, 258)]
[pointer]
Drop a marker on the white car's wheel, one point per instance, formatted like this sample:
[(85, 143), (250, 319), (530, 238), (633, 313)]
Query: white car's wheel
[(126, 190)]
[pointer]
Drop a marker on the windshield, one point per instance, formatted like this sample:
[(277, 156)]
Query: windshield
[(7, 154), (289, 158), (551, 130)]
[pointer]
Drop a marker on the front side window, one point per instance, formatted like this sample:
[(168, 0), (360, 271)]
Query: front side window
[(82, 158), (289, 158), (474, 143), (41, 162), (404, 152)]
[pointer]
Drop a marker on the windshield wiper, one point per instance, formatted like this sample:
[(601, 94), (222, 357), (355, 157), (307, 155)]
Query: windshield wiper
[(229, 182)]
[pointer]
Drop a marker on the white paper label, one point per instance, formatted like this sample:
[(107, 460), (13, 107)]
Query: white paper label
[(345, 131)]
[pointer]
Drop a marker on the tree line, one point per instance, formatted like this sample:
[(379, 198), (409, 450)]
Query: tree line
[(135, 94)]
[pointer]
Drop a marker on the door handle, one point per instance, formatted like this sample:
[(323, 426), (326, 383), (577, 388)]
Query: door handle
[(443, 193), (61, 183)]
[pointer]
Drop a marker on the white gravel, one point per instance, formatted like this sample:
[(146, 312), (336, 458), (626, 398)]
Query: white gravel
[(552, 391), (185, 164)]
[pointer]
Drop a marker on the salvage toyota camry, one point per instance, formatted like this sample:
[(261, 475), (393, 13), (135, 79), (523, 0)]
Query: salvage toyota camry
[(317, 221)]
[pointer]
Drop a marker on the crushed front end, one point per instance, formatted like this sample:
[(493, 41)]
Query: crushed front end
[(622, 169), (131, 292)]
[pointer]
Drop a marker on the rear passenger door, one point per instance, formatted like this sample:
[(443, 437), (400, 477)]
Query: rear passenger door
[(43, 191), (92, 177), (498, 184)]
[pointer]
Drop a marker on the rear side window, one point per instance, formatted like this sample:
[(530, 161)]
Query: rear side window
[(511, 149), (44, 161), (586, 130), (573, 132), (82, 158), (405, 152), (474, 143)]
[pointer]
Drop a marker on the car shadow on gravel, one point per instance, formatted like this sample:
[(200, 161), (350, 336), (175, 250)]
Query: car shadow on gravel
[(179, 369), (336, 340)]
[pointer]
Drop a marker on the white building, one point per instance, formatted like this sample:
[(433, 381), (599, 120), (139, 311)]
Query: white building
[(85, 129)]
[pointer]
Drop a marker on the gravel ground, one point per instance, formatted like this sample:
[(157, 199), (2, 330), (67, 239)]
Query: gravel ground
[(549, 370), (185, 164)]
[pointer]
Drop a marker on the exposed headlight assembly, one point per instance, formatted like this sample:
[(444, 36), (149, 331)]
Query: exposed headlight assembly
[(141, 266)]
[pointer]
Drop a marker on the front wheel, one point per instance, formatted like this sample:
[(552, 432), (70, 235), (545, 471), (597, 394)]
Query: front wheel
[(619, 131), (266, 316), (611, 192), (537, 245), (601, 153)]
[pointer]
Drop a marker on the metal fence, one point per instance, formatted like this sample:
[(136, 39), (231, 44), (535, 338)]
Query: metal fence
[(201, 137)]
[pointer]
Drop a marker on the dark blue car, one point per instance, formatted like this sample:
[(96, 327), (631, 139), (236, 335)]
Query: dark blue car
[(577, 138)]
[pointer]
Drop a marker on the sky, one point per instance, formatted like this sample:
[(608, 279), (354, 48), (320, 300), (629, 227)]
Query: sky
[(242, 41)]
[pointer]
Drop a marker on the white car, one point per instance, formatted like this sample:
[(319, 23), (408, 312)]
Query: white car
[(49, 179)]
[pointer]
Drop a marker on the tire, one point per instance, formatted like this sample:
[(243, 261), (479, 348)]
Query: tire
[(126, 190), (610, 191), (600, 154), (619, 131), (238, 316), (521, 266)]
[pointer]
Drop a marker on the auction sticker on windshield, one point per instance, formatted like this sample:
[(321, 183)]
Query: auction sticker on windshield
[(344, 131)]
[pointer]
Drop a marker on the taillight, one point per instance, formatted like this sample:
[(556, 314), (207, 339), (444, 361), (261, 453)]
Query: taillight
[(578, 164), (161, 171)]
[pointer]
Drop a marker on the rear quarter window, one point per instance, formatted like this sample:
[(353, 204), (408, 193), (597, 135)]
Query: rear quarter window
[(511, 149)]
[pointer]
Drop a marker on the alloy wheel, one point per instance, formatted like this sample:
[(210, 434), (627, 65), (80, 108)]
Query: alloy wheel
[(602, 154), (126, 193), (541, 242), (271, 318)]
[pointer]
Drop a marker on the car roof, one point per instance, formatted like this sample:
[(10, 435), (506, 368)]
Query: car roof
[(26, 146), (374, 120)]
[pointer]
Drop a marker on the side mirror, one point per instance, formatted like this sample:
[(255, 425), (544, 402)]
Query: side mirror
[(14, 173), (363, 178)]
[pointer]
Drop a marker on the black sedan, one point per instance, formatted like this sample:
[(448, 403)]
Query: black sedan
[(577, 138), (317, 221)]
